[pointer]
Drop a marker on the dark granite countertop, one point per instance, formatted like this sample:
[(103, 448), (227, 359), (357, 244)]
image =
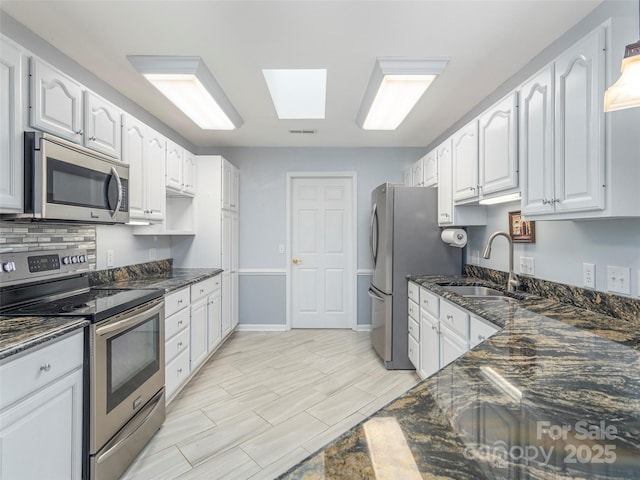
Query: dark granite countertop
[(554, 394), (22, 333), (169, 281)]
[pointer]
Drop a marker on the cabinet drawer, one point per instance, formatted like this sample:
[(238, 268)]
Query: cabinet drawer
[(204, 288), (177, 344), (414, 352), (414, 328), (480, 330), (429, 302), (176, 372), (455, 319), (33, 370), (176, 322), (414, 292), (176, 301), (451, 346), (413, 310)]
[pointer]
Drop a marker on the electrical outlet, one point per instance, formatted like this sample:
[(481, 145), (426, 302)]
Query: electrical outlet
[(618, 280), (152, 254), (589, 275), (281, 248), (475, 257), (109, 258), (527, 266)]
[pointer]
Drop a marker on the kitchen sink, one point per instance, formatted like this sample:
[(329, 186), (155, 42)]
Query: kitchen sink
[(474, 291)]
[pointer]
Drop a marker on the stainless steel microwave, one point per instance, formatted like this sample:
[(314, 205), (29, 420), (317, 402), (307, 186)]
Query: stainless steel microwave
[(69, 183)]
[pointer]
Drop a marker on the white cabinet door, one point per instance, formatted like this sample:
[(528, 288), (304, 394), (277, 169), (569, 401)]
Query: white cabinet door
[(227, 241), (417, 174), (56, 102), (235, 304), (189, 174), (480, 330), (214, 320), (226, 184), (429, 345), (536, 143), (198, 341), (407, 176), (451, 346), (235, 188), (155, 155), (430, 169), (445, 193), (12, 106), (43, 433), (227, 312), (174, 166), (464, 155), (133, 146), (102, 125), (579, 125), (498, 156)]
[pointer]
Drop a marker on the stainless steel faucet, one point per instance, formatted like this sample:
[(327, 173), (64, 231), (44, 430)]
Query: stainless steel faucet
[(513, 281)]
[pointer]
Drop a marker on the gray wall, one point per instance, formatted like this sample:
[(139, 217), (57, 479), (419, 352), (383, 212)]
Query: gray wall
[(263, 215), (561, 247)]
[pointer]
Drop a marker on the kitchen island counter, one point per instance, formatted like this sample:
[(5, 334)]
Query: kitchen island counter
[(554, 394)]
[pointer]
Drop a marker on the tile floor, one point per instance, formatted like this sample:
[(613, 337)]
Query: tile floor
[(265, 401)]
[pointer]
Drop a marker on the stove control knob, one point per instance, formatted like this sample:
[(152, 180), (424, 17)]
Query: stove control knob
[(82, 258), (8, 267), (66, 260), (74, 259)]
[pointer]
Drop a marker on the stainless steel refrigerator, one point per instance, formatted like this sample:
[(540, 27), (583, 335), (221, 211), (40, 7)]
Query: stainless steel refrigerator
[(404, 240)]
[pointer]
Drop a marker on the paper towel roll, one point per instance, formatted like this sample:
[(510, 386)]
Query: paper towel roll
[(455, 237)]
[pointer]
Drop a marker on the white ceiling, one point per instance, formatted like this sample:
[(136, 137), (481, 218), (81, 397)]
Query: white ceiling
[(487, 42)]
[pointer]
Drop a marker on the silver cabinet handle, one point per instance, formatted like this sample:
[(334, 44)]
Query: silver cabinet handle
[(481, 337), (45, 368), (92, 138), (79, 132)]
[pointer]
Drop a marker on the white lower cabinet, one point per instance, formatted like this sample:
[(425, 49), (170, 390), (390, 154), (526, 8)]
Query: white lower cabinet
[(193, 330), (41, 404), (441, 332)]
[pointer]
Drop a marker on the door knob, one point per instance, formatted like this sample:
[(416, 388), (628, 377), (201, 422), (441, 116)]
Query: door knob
[(296, 261)]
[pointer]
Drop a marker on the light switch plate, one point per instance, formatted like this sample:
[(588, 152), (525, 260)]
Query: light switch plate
[(527, 266), (589, 275), (619, 280)]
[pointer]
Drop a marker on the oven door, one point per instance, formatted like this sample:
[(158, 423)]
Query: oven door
[(73, 183), (127, 368)]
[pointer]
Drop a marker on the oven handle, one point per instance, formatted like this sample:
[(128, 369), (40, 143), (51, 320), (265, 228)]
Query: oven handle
[(152, 408), (130, 321)]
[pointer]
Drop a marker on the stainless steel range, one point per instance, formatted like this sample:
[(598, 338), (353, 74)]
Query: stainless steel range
[(125, 402)]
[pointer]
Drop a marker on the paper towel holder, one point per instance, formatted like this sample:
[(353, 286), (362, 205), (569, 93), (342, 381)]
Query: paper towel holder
[(521, 230)]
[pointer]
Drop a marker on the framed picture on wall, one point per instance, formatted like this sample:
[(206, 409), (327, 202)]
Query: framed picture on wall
[(523, 231)]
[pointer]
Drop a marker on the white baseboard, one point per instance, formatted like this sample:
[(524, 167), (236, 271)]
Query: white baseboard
[(363, 327), (257, 327)]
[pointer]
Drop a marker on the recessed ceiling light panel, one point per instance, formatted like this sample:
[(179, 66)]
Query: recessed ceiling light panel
[(297, 94), (395, 87)]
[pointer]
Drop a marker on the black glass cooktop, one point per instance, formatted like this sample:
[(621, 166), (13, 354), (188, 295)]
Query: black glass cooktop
[(95, 304)]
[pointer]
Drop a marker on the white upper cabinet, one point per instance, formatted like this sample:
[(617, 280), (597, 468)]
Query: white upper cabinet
[(230, 186), (430, 169), (464, 151), (102, 125), (55, 102), (144, 150), (579, 125), (181, 171), (498, 151), (61, 106), (406, 176), (12, 103), (445, 194), (174, 166), (536, 143), (417, 174)]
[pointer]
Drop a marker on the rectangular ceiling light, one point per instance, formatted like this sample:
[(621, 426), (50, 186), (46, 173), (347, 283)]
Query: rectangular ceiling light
[(298, 94), (189, 85), (395, 87)]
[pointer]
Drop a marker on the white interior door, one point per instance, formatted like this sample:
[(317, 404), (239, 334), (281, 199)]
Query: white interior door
[(322, 234)]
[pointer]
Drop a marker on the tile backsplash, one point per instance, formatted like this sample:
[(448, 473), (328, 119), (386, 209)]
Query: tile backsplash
[(33, 237)]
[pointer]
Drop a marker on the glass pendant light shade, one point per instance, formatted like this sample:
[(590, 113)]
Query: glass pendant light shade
[(625, 93)]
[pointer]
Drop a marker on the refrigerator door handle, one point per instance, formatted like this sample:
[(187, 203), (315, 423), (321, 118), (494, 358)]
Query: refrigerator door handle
[(375, 296), (373, 235)]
